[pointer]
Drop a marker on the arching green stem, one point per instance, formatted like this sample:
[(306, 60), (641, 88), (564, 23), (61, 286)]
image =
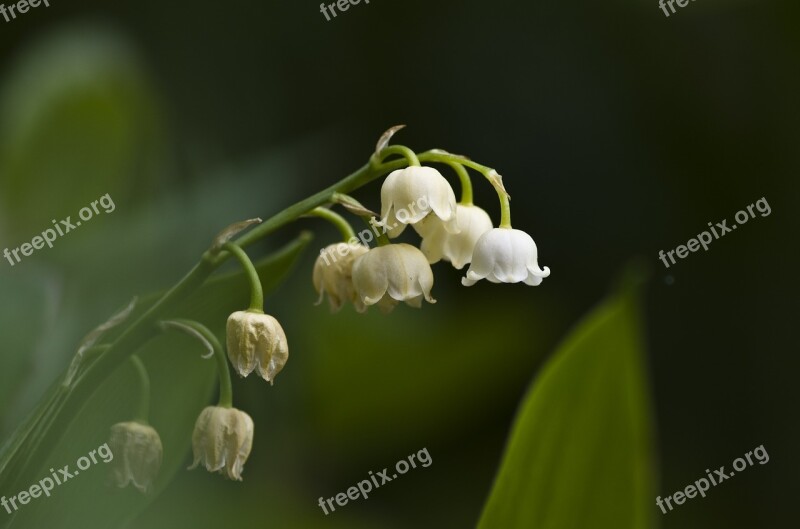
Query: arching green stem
[(256, 291), (204, 335), (505, 208), (437, 155), (402, 150), (490, 174), (466, 183), (337, 220), (143, 410)]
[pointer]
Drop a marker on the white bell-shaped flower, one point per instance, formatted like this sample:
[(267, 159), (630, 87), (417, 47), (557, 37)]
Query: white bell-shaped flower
[(389, 274), (256, 341), (438, 243), (333, 274), (505, 255), (137, 454), (411, 194), (222, 440)]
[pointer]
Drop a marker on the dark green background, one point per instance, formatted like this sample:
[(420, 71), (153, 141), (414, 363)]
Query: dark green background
[(619, 132)]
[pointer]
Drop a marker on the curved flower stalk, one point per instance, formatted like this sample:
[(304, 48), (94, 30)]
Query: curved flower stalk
[(505, 255), (333, 269), (255, 340), (135, 445), (223, 436)]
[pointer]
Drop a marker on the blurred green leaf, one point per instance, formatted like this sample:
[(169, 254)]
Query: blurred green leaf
[(24, 317), (182, 384), (78, 119), (580, 453)]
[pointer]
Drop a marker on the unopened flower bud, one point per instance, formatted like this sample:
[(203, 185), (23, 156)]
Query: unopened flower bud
[(256, 341), (137, 455), (222, 440), (333, 274)]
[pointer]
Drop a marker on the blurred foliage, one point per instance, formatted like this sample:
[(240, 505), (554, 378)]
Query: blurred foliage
[(581, 452), (32, 307), (88, 501), (77, 114)]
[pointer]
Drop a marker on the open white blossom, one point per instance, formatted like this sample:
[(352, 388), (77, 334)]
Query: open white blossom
[(411, 194), (505, 255), (333, 274), (389, 274), (222, 440), (137, 453), (256, 341), (438, 243)]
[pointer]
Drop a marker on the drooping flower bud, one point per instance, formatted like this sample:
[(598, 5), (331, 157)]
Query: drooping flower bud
[(389, 274), (222, 440), (333, 274), (438, 243), (411, 194), (137, 454), (256, 341), (505, 255)]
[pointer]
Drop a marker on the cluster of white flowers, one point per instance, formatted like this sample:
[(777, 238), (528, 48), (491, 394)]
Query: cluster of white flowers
[(459, 233), (386, 275)]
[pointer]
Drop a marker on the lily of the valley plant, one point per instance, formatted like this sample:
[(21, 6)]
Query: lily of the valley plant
[(414, 193)]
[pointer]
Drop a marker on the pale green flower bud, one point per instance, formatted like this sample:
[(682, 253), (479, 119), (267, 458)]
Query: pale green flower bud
[(137, 455), (333, 274), (222, 440), (256, 341)]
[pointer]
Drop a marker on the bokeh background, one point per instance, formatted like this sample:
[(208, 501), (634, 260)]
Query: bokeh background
[(620, 132)]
